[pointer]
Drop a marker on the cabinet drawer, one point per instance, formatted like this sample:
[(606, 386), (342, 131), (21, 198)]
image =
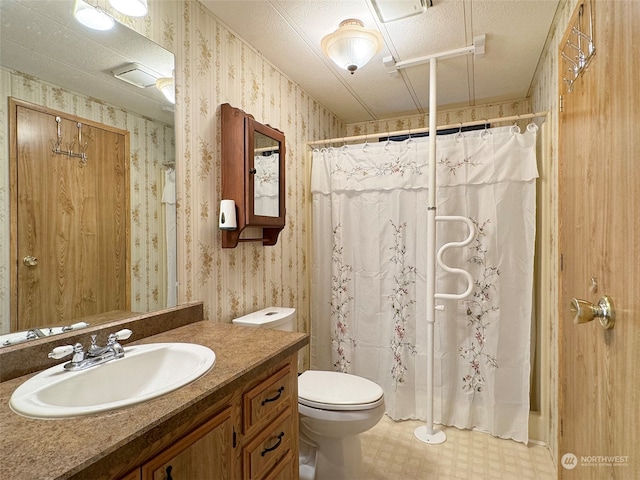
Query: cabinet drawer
[(284, 470), (267, 399), (268, 447)]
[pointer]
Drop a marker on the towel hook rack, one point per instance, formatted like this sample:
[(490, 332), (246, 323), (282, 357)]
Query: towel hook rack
[(575, 54), (57, 145)]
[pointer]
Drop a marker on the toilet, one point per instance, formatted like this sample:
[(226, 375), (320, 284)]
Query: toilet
[(334, 409)]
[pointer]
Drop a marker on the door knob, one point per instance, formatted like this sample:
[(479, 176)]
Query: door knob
[(30, 261), (587, 311)]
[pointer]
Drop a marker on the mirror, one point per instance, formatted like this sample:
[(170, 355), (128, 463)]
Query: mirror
[(266, 176), (47, 56)]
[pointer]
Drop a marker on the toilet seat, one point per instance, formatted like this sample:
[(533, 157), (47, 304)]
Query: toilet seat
[(338, 391)]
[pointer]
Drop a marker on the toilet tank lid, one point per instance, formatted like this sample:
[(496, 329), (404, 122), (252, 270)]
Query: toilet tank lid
[(337, 388), (266, 318)]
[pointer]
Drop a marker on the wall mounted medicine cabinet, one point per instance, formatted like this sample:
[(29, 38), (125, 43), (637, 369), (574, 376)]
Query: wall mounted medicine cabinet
[(252, 176)]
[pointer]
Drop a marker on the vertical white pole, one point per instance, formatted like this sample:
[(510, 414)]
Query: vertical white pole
[(426, 433)]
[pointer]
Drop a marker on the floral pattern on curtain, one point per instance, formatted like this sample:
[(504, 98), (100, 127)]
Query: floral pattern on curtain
[(369, 266)]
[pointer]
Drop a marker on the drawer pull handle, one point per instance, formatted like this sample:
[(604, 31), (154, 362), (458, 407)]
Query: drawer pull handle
[(273, 399), (271, 449)]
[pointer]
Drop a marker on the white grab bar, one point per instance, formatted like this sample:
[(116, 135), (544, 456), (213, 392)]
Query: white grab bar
[(454, 270)]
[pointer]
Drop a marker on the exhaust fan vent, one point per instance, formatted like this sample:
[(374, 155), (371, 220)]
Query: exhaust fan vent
[(390, 10), (137, 75)]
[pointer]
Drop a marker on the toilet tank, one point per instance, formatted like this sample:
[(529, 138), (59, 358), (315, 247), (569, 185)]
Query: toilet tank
[(275, 318)]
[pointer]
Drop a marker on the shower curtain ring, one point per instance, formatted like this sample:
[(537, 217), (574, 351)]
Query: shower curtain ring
[(486, 132), (532, 127), (459, 135), (387, 144), (410, 139)]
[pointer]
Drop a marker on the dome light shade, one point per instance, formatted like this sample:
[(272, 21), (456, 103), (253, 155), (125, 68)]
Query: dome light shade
[(351, 46), (167, 87), (92, 17), (131, 8)]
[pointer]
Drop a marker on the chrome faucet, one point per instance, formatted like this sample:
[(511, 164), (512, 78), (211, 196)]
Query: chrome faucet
[(35, 333), (95, 355)]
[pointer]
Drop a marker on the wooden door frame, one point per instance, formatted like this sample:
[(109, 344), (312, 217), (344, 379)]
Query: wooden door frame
[(14, 103)]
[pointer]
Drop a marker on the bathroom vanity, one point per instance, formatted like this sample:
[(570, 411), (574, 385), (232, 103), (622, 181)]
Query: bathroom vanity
[(238, 421)]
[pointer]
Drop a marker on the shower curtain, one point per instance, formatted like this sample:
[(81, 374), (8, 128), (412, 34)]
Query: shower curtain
[(169, 200), (368, 305)]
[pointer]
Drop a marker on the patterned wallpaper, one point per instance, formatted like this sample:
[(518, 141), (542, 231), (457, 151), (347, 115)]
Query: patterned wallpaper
[(214, 66), (150, 142)]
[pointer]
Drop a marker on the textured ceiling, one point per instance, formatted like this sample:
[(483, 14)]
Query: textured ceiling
[(288, 34)]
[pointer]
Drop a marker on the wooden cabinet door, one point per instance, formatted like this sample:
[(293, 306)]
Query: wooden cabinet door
[(204, 454), (599, 238), (69, 216)]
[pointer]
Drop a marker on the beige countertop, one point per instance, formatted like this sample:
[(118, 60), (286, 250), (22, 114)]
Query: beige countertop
[(85, 447)]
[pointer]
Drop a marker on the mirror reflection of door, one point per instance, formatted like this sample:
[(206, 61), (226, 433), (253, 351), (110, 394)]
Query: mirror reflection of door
[(266, 187), (69, 218)]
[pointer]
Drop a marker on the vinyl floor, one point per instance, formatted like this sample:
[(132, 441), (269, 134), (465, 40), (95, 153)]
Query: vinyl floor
[(391, 452)]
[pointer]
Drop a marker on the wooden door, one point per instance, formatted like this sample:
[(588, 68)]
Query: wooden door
[(599, 238), (206, 453), (69, 218)]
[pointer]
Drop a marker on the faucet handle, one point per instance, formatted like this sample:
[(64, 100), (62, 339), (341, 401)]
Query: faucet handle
[(61, 352), (123, 334), (119, 335)]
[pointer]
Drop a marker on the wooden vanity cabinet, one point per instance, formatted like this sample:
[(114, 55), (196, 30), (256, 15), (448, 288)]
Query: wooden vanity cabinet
[(205, 453), (254, 436)]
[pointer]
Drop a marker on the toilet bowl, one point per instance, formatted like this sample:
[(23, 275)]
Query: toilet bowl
[(334, 409)]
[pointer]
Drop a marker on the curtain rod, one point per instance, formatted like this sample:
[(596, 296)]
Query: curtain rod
[(426, 129)]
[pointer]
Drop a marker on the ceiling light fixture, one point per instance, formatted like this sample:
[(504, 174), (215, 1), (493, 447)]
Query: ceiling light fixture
[(167, 87), (351, 46), (92, 17), (131, 8)]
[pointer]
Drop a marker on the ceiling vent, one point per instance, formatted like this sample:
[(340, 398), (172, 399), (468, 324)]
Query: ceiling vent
[(390, 10), (137, 75)]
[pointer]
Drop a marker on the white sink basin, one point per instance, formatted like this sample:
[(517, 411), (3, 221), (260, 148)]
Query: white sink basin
[(145, 372)]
